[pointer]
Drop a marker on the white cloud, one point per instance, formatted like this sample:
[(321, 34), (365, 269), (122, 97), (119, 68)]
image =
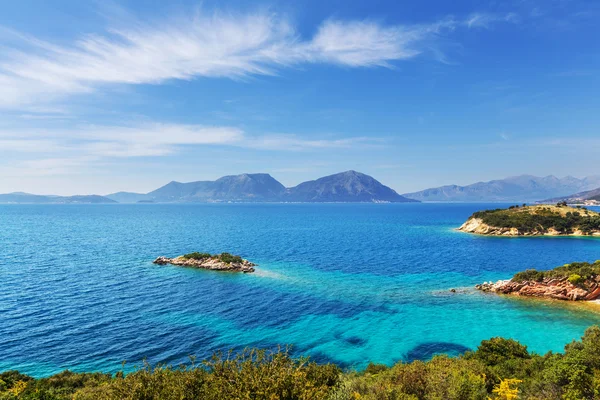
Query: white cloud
[(58, 151), (217, 45), (362, 44), (295, 143), (484, 20)]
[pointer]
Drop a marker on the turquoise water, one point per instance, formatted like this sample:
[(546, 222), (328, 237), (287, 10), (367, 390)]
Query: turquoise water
[(348, 283)]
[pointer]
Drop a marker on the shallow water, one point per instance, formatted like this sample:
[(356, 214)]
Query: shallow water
[(348, 283)]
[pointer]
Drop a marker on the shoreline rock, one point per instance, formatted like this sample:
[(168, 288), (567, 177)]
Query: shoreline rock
[(478, 227), (213, 263), (536, 220), (552, 288)]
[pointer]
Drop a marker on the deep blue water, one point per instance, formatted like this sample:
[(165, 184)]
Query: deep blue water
[(348, 283)]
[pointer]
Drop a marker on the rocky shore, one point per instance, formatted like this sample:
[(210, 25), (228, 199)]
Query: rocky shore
[(477, 226), (543, 220), (552, 288), (210, 262)]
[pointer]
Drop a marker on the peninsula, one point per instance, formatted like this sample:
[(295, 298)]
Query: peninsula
[(576, 281), (214, 262), (536, 220)]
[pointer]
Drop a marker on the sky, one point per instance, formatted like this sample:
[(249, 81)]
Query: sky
[(104, 96)]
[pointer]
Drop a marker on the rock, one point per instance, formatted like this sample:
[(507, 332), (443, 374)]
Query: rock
[(554, 288), (162, 260), (213, 263)]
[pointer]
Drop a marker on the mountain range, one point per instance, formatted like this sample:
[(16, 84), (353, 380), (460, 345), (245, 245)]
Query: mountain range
[(522, 188), (577, 197), (349, 186), (20, 197)]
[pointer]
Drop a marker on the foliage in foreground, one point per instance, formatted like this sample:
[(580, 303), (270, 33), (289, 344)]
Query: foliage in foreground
[(498, 369)]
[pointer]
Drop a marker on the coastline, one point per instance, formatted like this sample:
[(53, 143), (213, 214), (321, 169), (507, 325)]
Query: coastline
[(560, 235)]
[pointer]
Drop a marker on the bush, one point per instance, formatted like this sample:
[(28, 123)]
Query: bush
[(498, 369), (576, 279), (197, 256), (577, 273), (228, 258), (528, 275)]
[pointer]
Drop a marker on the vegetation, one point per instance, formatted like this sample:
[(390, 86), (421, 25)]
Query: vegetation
[(576, 273), (228, 258), (542, 218), (224, 257), (498, 369), (197, 256)]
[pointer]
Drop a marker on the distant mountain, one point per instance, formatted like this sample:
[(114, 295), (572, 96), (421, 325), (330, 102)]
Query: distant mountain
[(26, 198), (523, 188), (349, 186), (577, 197), (127, 197), (238, 188)]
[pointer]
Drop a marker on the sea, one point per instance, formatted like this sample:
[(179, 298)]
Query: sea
[(342, 283)]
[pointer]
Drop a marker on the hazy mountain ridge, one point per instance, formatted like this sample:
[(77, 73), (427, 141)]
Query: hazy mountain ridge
[(27, 198), (344, 187), (237, 188), (581, 196), (349, 186), (517, 188)]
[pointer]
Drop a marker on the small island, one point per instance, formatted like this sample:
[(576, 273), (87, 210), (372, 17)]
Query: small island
[(535, 220), (574, 282), (214, 262)]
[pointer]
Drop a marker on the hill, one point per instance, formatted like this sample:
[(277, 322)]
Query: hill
[(523, 188), (127, 197), (26, 198), (538, 220), (238, 188), (349, 186), (589, 197)]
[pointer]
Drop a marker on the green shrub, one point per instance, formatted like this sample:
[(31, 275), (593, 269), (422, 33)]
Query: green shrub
[(576, 279), (264, 375), (197, 256), (578, 271), (528, 275), (228, 258), (374, 369)]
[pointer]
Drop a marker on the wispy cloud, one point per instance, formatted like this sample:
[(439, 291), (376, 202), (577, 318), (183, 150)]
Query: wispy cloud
[(295, 143), (216, 45), (484, 20), (58, 150)]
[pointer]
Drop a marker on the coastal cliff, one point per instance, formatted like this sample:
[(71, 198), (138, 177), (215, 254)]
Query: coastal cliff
[(574, 282), (217, 262), (536, 220)]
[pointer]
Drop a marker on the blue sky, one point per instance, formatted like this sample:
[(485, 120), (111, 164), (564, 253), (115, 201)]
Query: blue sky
[(98, 97)]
